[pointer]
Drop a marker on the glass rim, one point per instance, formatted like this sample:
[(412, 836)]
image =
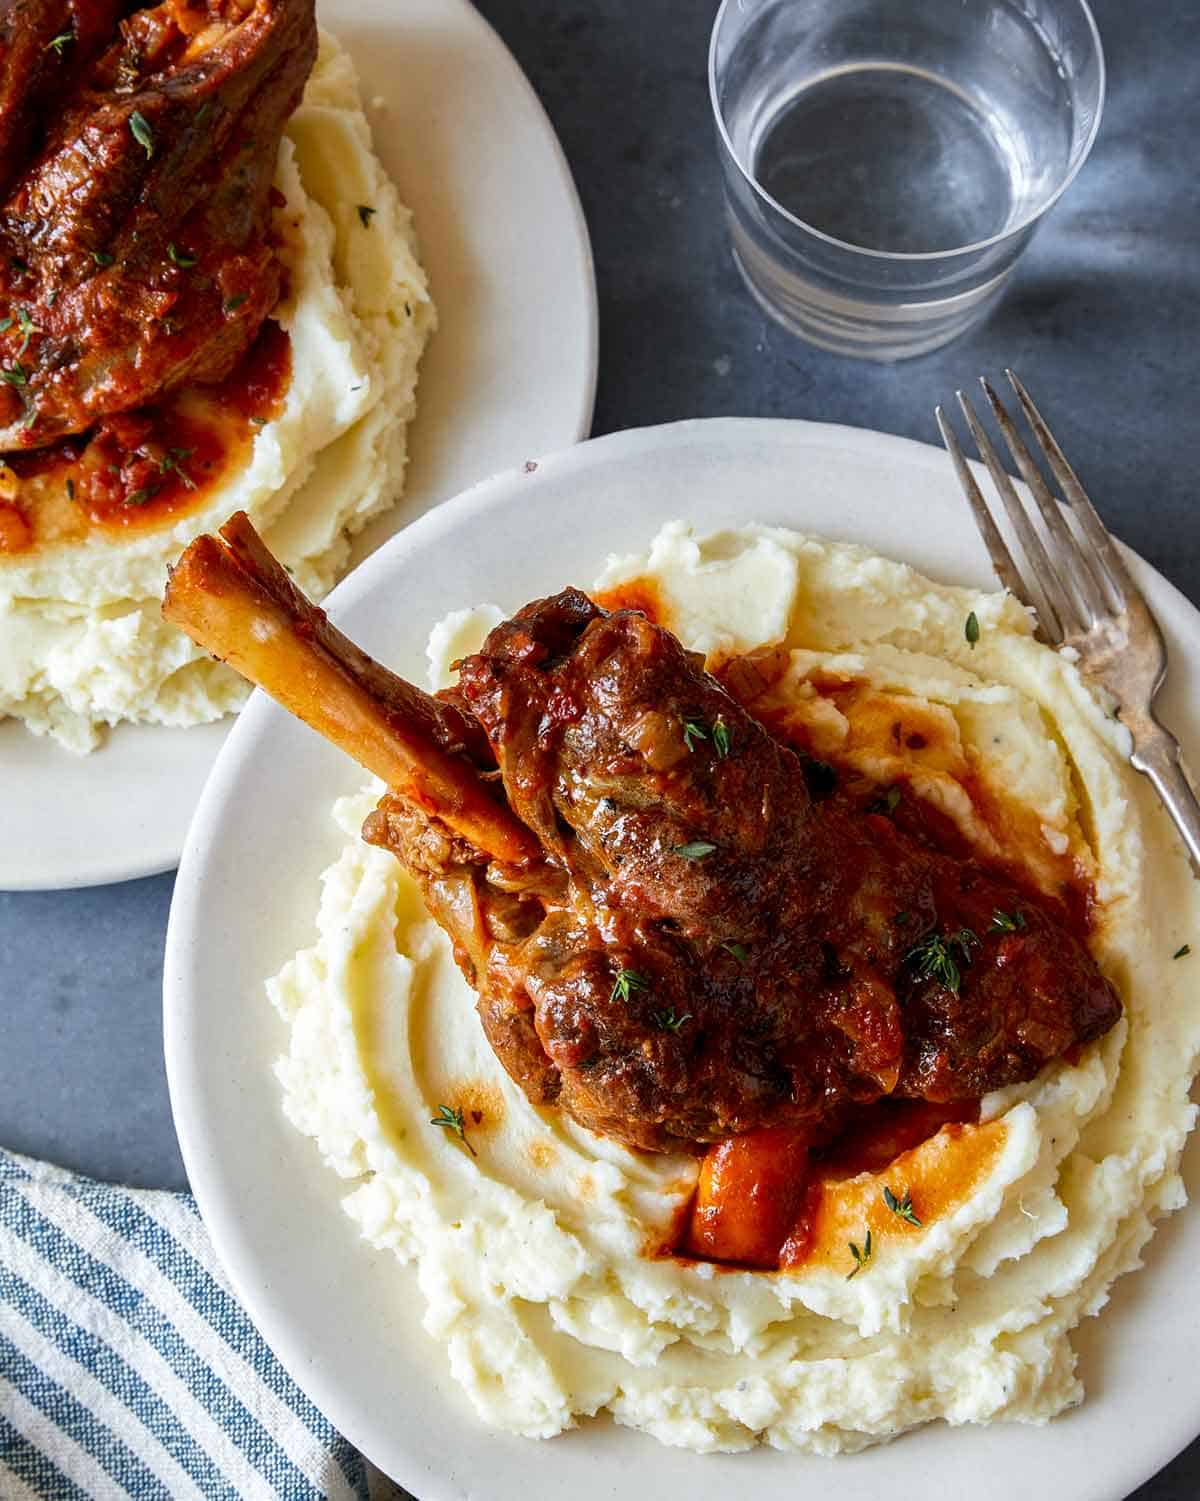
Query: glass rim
[(1029, 219)]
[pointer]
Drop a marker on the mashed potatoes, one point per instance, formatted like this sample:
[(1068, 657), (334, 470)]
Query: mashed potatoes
[(530, 1239), (82, 643)]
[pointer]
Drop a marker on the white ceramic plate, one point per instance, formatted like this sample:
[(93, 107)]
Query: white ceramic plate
[(345, 1319), (509, 375)]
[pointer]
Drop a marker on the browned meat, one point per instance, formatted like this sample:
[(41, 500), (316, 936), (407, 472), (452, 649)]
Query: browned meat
[(134, 251), (44, 47), (728, 952), (669, 933)]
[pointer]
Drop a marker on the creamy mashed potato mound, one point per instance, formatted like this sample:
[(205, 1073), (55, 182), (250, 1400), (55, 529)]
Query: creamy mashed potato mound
[(532, 1255), (82, 642)]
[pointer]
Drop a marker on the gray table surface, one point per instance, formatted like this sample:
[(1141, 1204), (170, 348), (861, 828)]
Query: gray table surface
[(1101, 322)]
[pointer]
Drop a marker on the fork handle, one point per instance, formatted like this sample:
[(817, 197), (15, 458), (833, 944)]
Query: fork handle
[(1156, 754)]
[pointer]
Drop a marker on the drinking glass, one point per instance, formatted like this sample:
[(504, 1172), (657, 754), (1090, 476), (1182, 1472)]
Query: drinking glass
[(887, 161)]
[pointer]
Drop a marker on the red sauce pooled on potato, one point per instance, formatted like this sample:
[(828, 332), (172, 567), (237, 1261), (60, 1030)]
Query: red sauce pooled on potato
[(137, 470)]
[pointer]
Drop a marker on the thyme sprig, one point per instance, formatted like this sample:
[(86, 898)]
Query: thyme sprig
[(934, 957), (669, 1022), (627, 983), (28, 328), (695, 729), (172, 463), (901, 1208), (862, 1256), (451, 1120)]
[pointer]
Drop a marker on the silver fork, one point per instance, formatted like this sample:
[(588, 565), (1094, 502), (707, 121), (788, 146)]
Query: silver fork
[(1087, 598)]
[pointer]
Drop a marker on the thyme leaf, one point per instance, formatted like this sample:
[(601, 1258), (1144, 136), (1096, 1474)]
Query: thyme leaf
[(693, 729), (366, 213), (696, 850), (888, 803), (739, 951), (1007, 922), (56, 44), (142, 494), (180, 258), (102, 257), (722, 739), (971, 629), (139, 128), (668, 1021), (14, 374), (1182, 952)]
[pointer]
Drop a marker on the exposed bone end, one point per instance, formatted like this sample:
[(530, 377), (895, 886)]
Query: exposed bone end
[(231, 596)]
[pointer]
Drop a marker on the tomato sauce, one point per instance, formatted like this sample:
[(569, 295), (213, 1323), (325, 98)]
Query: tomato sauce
[(930, 1181), (638, 594), (145, 468), (766, 1201)]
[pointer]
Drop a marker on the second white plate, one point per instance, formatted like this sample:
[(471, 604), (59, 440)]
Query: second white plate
[(344, 1319), (509, 375)]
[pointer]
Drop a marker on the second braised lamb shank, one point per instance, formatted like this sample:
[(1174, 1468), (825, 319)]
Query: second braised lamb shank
[(671, 937), (136, 160)]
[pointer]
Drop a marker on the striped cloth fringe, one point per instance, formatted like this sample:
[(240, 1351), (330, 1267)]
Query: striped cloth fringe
[(128, 1368)]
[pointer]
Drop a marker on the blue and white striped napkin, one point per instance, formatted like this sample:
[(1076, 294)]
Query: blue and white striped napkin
[(127, 1366)]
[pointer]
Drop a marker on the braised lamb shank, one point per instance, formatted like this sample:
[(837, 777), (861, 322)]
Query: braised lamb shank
[(136, 159), (670, 937)]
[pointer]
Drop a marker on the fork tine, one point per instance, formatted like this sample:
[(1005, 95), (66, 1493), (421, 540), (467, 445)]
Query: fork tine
[(1002, 560), (1115, 574), (1058, 602), (1070, 559)]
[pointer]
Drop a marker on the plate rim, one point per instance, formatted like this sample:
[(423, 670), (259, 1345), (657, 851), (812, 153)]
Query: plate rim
[(98, 866), (203, 1170)]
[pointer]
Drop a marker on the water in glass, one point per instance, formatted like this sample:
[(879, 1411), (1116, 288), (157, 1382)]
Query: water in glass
[(903, 128)]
